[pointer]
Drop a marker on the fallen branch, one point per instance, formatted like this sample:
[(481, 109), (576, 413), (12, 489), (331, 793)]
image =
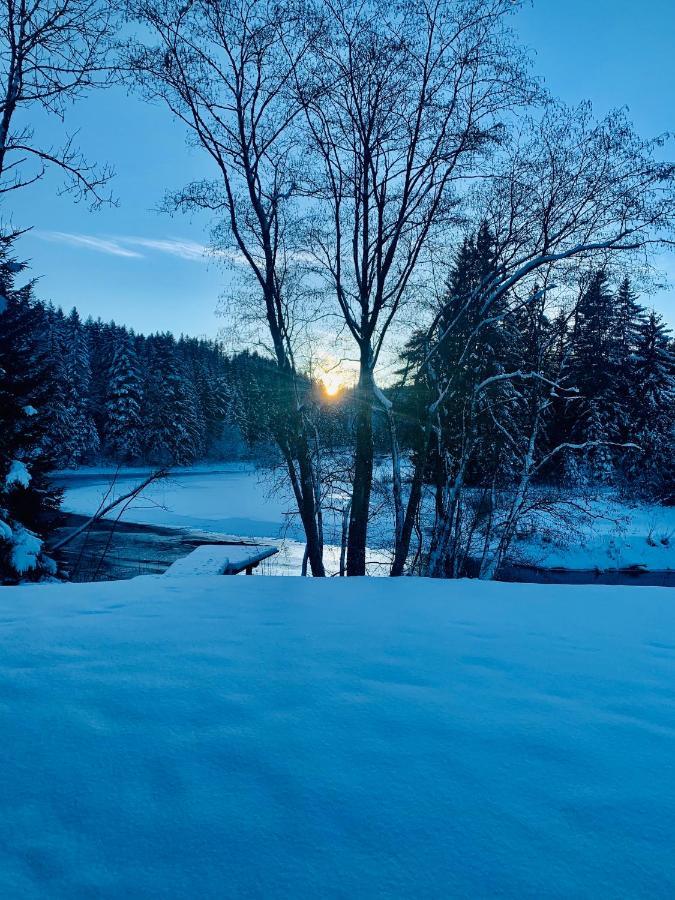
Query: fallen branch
[(103, 511)]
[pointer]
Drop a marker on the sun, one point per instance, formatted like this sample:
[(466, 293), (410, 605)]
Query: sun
[(333, 375), (333, 382)]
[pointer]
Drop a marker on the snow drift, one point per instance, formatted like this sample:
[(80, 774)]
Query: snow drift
[(289, 738)]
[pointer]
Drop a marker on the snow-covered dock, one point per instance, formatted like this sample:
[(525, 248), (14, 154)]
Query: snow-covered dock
[(221, 559)]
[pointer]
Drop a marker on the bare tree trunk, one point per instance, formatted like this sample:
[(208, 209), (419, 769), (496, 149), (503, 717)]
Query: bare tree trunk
[(363, 476), (343, 541), (397, 489), (308, 509), (444, 548), (402, 548), (302, 482)]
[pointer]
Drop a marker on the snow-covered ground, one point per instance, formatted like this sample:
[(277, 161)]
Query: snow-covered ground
[(237, 500), (229, 737), (602, 534)]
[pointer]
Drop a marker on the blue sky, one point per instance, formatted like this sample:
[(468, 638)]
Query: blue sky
[(145, 269)]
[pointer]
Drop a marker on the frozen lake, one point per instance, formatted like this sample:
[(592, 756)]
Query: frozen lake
[(237, 502), (225, 502)]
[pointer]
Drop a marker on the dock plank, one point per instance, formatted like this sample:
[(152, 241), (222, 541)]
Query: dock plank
[(221, 559)]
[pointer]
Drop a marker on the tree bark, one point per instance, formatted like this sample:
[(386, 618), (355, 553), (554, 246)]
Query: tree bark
[(308, 510), (302, 482), (363, 476), (402, 548)]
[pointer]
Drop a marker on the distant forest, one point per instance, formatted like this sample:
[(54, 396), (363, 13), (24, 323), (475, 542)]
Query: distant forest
[(106, 394), (127, 398)]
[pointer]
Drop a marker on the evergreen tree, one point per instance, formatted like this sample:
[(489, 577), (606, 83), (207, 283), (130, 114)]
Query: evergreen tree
[(594, 371), (653, 409), (28, 504), (82, 441), (475, 348), (58, 409), (629, 316), (103, 341), (204, 363), (173, 421), (123, 426)]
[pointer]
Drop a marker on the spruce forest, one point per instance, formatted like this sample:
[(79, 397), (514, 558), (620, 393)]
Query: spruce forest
[(108, 395)]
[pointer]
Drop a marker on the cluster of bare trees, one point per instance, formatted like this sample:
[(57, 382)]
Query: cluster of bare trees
[(354, 141), (566, 191), (351, 144)]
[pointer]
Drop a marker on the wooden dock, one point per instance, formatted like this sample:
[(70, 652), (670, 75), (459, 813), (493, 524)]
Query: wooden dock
[(221, 559)]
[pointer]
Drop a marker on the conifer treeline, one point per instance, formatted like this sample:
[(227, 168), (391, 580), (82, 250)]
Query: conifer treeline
[(129, 398), (622, 364), (612, 358), (74, 392), (116, 396)]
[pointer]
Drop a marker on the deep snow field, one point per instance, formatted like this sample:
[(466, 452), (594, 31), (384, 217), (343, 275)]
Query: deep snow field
[(237, 500), (262, 737)]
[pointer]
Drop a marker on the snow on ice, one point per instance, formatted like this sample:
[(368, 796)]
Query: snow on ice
[(235, 499), (260, 737)]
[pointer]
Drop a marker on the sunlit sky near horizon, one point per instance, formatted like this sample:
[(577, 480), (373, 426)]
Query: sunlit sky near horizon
[(145, 269)]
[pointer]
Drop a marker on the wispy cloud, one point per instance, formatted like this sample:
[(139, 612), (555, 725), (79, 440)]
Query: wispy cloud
[(129, 245), (175, 247), (102, 245)]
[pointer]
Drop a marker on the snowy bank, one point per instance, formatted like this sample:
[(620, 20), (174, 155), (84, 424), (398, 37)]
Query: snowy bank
[(229, 737), (602, 534)]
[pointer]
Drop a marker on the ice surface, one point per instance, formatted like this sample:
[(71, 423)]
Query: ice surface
[(231, 499), (237, 500), (260, 737)]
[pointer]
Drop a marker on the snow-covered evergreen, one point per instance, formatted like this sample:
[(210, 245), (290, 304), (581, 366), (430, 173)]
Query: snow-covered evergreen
[(28, 505), (82, 441), (123, 428), (594, 372), (173, 414), (653, 408), (121, 397)]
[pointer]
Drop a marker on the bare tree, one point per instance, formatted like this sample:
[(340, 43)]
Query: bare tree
[(51, 53), (401, 102), (224, 70), (568, 192)]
